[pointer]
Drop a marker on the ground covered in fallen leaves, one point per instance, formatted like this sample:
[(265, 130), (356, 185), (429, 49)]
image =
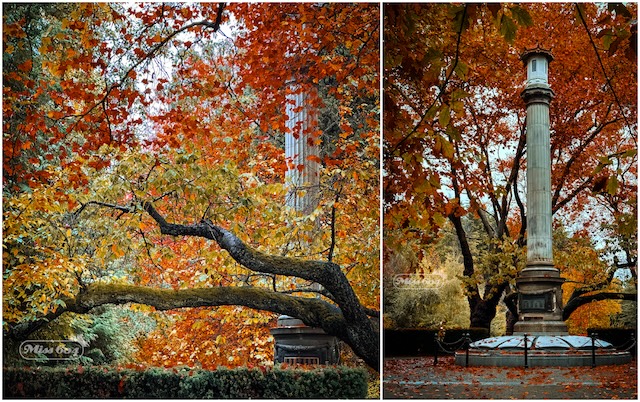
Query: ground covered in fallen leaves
[(417, 377)]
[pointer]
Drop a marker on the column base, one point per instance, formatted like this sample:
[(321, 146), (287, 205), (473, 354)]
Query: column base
[(540, 327)]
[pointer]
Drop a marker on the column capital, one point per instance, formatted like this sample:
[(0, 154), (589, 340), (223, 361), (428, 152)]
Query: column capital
[(537, 94)]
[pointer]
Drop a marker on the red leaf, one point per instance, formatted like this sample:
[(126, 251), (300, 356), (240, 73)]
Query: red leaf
[(26, 66), (314, 158)]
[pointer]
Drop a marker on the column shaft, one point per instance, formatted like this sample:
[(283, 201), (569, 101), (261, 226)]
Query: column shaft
[(539, 238)]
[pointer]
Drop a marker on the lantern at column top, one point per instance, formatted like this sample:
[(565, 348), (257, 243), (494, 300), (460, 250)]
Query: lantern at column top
[(537, 61)]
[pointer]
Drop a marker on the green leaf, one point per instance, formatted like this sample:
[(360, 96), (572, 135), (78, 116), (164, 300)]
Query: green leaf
[(447, 149), (622, 33), (605, 160), (521, 16), (614, 46), (445, 116), (432, 55), (454, 133), (460, 22), (435, 181), (431, 113), (604, 32), (508, 29), (606, 42), (423, 186), (461, 70), (460, 94), (457, 107), (439, 219), (612, 185)]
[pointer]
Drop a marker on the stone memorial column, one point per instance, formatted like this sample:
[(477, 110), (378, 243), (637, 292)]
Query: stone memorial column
[(302, 154), (295, 342), (539, 284)]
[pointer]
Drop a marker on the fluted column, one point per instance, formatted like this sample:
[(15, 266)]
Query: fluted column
[(539, 217), (539, 284), (302, 154)]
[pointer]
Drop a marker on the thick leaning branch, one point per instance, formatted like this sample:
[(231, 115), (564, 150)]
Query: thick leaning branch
[(579, 301), (353, 325), (312, 311), (327, 274)]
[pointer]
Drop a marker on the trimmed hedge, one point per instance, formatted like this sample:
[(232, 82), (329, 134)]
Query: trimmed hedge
[(154, 383), (421, 342), (618, 337)]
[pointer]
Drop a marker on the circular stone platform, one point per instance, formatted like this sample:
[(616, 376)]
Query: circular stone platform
[(542, 350)]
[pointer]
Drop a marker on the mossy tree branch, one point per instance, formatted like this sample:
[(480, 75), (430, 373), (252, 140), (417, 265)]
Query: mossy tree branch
[(349, 320), (326, 273)]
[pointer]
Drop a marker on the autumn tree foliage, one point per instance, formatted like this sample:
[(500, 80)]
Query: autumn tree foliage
[(585, 272), (454, 130), (143, 163)]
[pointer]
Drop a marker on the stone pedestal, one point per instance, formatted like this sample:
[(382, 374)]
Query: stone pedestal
[(540, 302), (296, 343)]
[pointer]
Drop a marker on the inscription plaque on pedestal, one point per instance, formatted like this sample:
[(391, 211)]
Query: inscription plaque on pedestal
[(536, 302)]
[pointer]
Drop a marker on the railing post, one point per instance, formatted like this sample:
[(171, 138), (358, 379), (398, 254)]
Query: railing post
[(437, 345), (526, 352), (467, 341), (593, 349)]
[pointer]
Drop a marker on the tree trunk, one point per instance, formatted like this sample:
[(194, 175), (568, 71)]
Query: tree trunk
[(483, 314), (511, 322)]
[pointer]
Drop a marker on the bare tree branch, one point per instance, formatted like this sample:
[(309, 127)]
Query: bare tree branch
[(604, 71), (442, 87)]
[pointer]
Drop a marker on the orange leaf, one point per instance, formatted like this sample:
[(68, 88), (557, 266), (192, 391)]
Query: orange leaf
[(26, 66)]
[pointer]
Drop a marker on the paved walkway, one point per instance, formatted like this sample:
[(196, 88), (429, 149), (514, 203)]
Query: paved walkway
[(419, 378)]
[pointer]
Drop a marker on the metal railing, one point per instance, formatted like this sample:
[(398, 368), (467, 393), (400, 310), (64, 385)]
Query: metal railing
[(465, 341)]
